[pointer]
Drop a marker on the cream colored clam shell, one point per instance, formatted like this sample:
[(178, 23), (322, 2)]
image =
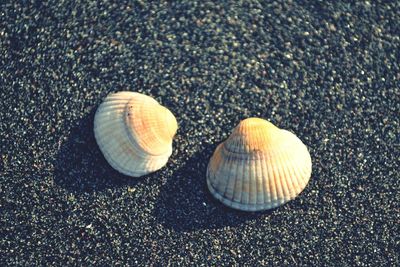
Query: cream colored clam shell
[(134, 133), (258, 167)]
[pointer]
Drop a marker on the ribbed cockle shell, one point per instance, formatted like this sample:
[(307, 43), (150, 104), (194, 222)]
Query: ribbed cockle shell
[(134, 133), (258, 167)]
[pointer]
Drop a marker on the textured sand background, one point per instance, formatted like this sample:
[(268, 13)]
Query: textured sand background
[(326, 70)]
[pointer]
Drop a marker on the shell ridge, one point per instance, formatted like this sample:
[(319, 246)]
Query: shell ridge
[(294, 178), (286, 186), (301, 169), (229, 175), (230, 189), (245, 182), (251, 196), (306, 170), (238, 186), (256, 177), (278, 180), (271, 176), (260, 177), (260, 181), (298, 173), (253, 183), (266, 191), (285, 177), (273, 192)]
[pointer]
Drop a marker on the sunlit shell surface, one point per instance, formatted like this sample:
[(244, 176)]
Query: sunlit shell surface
[(134, 133), (258, 167)]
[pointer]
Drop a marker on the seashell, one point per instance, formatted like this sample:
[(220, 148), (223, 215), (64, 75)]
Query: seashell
[(134, 133), (258, 167)]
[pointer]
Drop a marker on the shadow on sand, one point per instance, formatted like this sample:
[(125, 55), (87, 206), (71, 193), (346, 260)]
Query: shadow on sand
[(185, 204), (80, 166)]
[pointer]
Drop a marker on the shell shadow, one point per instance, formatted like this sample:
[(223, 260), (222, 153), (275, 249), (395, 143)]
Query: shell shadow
[(80, 167), (185, 204)]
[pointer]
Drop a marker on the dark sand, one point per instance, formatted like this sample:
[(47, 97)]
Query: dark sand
[(326, 70)]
